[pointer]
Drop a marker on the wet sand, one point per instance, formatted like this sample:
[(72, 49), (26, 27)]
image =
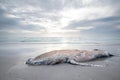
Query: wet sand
[(13, 67)]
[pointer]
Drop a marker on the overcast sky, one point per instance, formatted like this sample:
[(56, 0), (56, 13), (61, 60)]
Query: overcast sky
[(71, 18)]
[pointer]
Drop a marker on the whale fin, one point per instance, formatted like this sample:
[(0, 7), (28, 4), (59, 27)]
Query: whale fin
[(73, 62)]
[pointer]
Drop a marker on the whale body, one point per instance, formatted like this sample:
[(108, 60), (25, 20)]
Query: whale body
[(75, 56)]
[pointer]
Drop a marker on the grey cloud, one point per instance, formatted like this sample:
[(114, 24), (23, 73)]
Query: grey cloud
[(48, 5), (6, 22), (103, 31), (57, 5), (31, 28), (107, 21), (102, 26)]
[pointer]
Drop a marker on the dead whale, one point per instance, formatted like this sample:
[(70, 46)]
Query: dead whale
[(76, 57)]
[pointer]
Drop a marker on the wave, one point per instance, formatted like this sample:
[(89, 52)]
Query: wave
[(59, 40)]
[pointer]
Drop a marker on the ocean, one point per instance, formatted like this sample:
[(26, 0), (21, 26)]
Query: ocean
[(59, 40)]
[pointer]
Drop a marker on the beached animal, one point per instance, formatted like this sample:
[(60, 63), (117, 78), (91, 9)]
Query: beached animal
[(76, 57)]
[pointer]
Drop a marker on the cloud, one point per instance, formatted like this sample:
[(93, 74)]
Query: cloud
[(110, 21), (12, 22), (6, 22), (60, 16)]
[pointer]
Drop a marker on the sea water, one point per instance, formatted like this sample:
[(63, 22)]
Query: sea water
[(59, 40)]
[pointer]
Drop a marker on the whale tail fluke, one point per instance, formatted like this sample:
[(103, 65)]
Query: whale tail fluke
[(106, 54), (103, 56)]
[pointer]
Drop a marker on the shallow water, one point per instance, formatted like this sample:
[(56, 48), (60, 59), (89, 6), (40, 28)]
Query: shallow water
[(13, 67)]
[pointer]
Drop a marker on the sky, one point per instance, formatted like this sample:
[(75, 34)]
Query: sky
[(60, 18)]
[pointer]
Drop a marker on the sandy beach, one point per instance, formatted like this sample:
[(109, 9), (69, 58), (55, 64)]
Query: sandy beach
[(14, 55)]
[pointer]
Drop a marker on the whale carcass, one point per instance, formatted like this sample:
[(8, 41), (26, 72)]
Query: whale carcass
[(76, 57)]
